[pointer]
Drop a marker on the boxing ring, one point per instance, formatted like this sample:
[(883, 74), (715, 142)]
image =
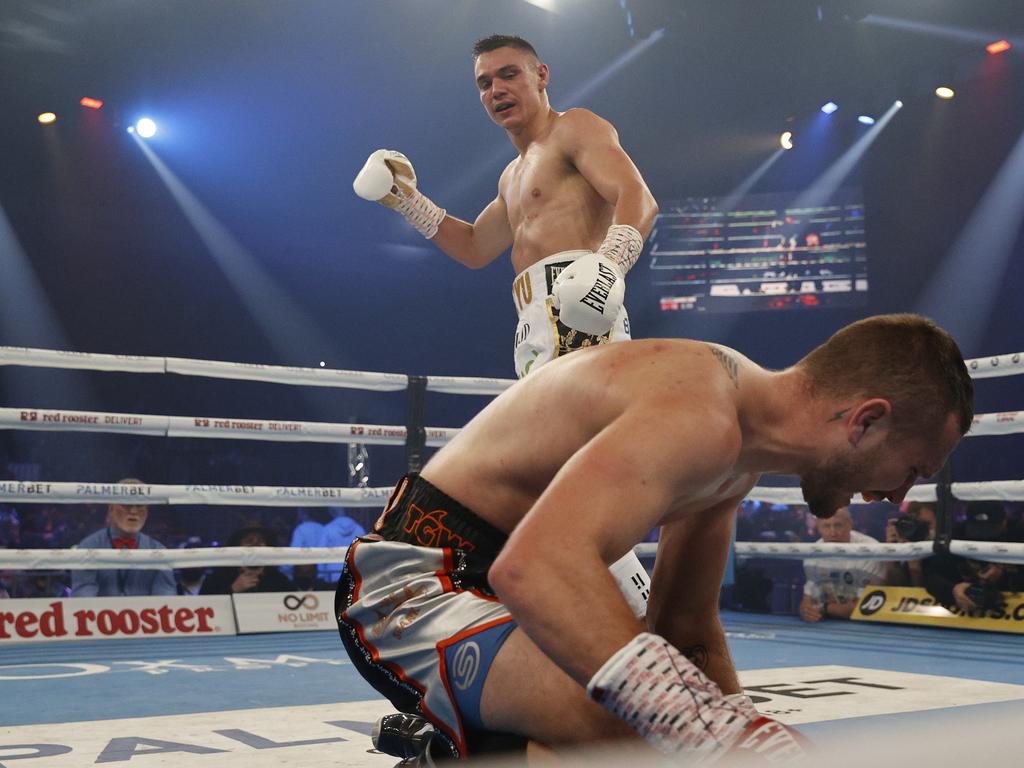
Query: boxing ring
[(863, 692)]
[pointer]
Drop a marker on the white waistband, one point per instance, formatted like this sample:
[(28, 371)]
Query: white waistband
[(531, 285), (538, 266)]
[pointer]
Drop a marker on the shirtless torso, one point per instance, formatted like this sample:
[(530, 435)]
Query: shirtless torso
[(559, 464), (551, 207), (501, 473), (570, 182)]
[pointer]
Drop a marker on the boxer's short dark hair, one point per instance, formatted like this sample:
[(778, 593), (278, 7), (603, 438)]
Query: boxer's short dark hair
[(493, 42), (906, 359)]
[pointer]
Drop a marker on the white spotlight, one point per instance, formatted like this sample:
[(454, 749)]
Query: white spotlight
[(146, 128), (945, 92), (786, 140)]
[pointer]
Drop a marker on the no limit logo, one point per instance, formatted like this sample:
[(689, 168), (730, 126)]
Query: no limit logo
[(294, 602), (873, 602)]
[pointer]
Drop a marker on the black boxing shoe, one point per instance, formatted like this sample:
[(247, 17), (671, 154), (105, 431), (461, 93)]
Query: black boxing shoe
[(405, 736)]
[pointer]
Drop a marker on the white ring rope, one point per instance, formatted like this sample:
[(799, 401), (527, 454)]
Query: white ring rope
[(992, 367), (790, 495), (276, 374), (141, 559), (322, 496), (1006, 423), (979, 368), (1011, 422), (214, 495), (985, 424), (991, 551), (214, 427), (910, 550), (201, 557), (998, 490)]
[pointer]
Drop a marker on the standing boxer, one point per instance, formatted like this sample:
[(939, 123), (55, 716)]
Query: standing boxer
[(483, 601), (573, 207)]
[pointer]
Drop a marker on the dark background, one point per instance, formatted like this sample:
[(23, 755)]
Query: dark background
[(267, 109)]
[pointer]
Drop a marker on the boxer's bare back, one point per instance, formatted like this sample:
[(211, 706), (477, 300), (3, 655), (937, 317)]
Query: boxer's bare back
[(666, 395)]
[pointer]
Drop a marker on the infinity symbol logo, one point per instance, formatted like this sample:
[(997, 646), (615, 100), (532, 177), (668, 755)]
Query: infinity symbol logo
[(294, 602)]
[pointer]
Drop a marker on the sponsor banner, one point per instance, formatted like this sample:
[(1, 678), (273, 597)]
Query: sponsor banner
[(288, 431), (82, 421), (284, 611), (833, 692), (278, 496), (913, 605), (314, 377), (274, 737), (136, 493), (107, 618)]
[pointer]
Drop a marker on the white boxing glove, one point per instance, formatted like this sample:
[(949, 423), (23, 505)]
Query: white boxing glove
[(588, 294), (388, 178)]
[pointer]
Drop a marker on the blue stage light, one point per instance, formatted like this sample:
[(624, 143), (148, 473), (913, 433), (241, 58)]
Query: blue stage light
[(146, 128), (866, 120), (829, 108)]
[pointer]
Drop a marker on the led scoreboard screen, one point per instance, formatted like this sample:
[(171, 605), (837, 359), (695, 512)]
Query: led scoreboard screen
[(764, 252)]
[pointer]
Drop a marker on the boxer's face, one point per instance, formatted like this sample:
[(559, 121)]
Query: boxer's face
[(511, 82), (879, 469)]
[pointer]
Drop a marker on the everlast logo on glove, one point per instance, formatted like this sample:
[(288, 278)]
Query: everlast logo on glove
[(597, 296)]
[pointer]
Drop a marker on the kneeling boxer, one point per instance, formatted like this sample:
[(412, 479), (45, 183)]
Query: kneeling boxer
[(572, 206), (483, 600)]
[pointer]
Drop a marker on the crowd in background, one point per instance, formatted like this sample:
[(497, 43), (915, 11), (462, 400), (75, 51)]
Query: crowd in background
[(761, 585), (64, 526)]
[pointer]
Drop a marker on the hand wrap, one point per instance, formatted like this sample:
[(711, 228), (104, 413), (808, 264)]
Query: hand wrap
[(677, 709), (622, 245)]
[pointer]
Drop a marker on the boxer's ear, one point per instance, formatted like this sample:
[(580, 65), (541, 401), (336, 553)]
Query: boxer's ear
[(869, 415)]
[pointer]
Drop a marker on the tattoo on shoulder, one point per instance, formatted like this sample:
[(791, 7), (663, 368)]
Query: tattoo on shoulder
[(729, 363), (698, 654)]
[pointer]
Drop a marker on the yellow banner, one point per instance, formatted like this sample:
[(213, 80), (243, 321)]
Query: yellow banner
[(913, 605)]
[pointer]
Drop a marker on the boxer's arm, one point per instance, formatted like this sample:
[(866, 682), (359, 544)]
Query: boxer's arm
[(692, 555), (595, 151), (478, 244), (553, 572)]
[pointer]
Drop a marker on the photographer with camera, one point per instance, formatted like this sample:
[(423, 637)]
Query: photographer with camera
[(916, 522), (974, 585), (834, 585)]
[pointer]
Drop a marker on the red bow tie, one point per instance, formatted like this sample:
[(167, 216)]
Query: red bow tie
[(125, 543)]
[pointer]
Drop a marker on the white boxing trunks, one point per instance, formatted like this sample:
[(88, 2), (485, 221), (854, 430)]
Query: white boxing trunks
[(416, 613), (540, 336), (419, 619)]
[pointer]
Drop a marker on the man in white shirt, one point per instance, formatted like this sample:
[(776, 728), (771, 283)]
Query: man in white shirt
[(834, 584)]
